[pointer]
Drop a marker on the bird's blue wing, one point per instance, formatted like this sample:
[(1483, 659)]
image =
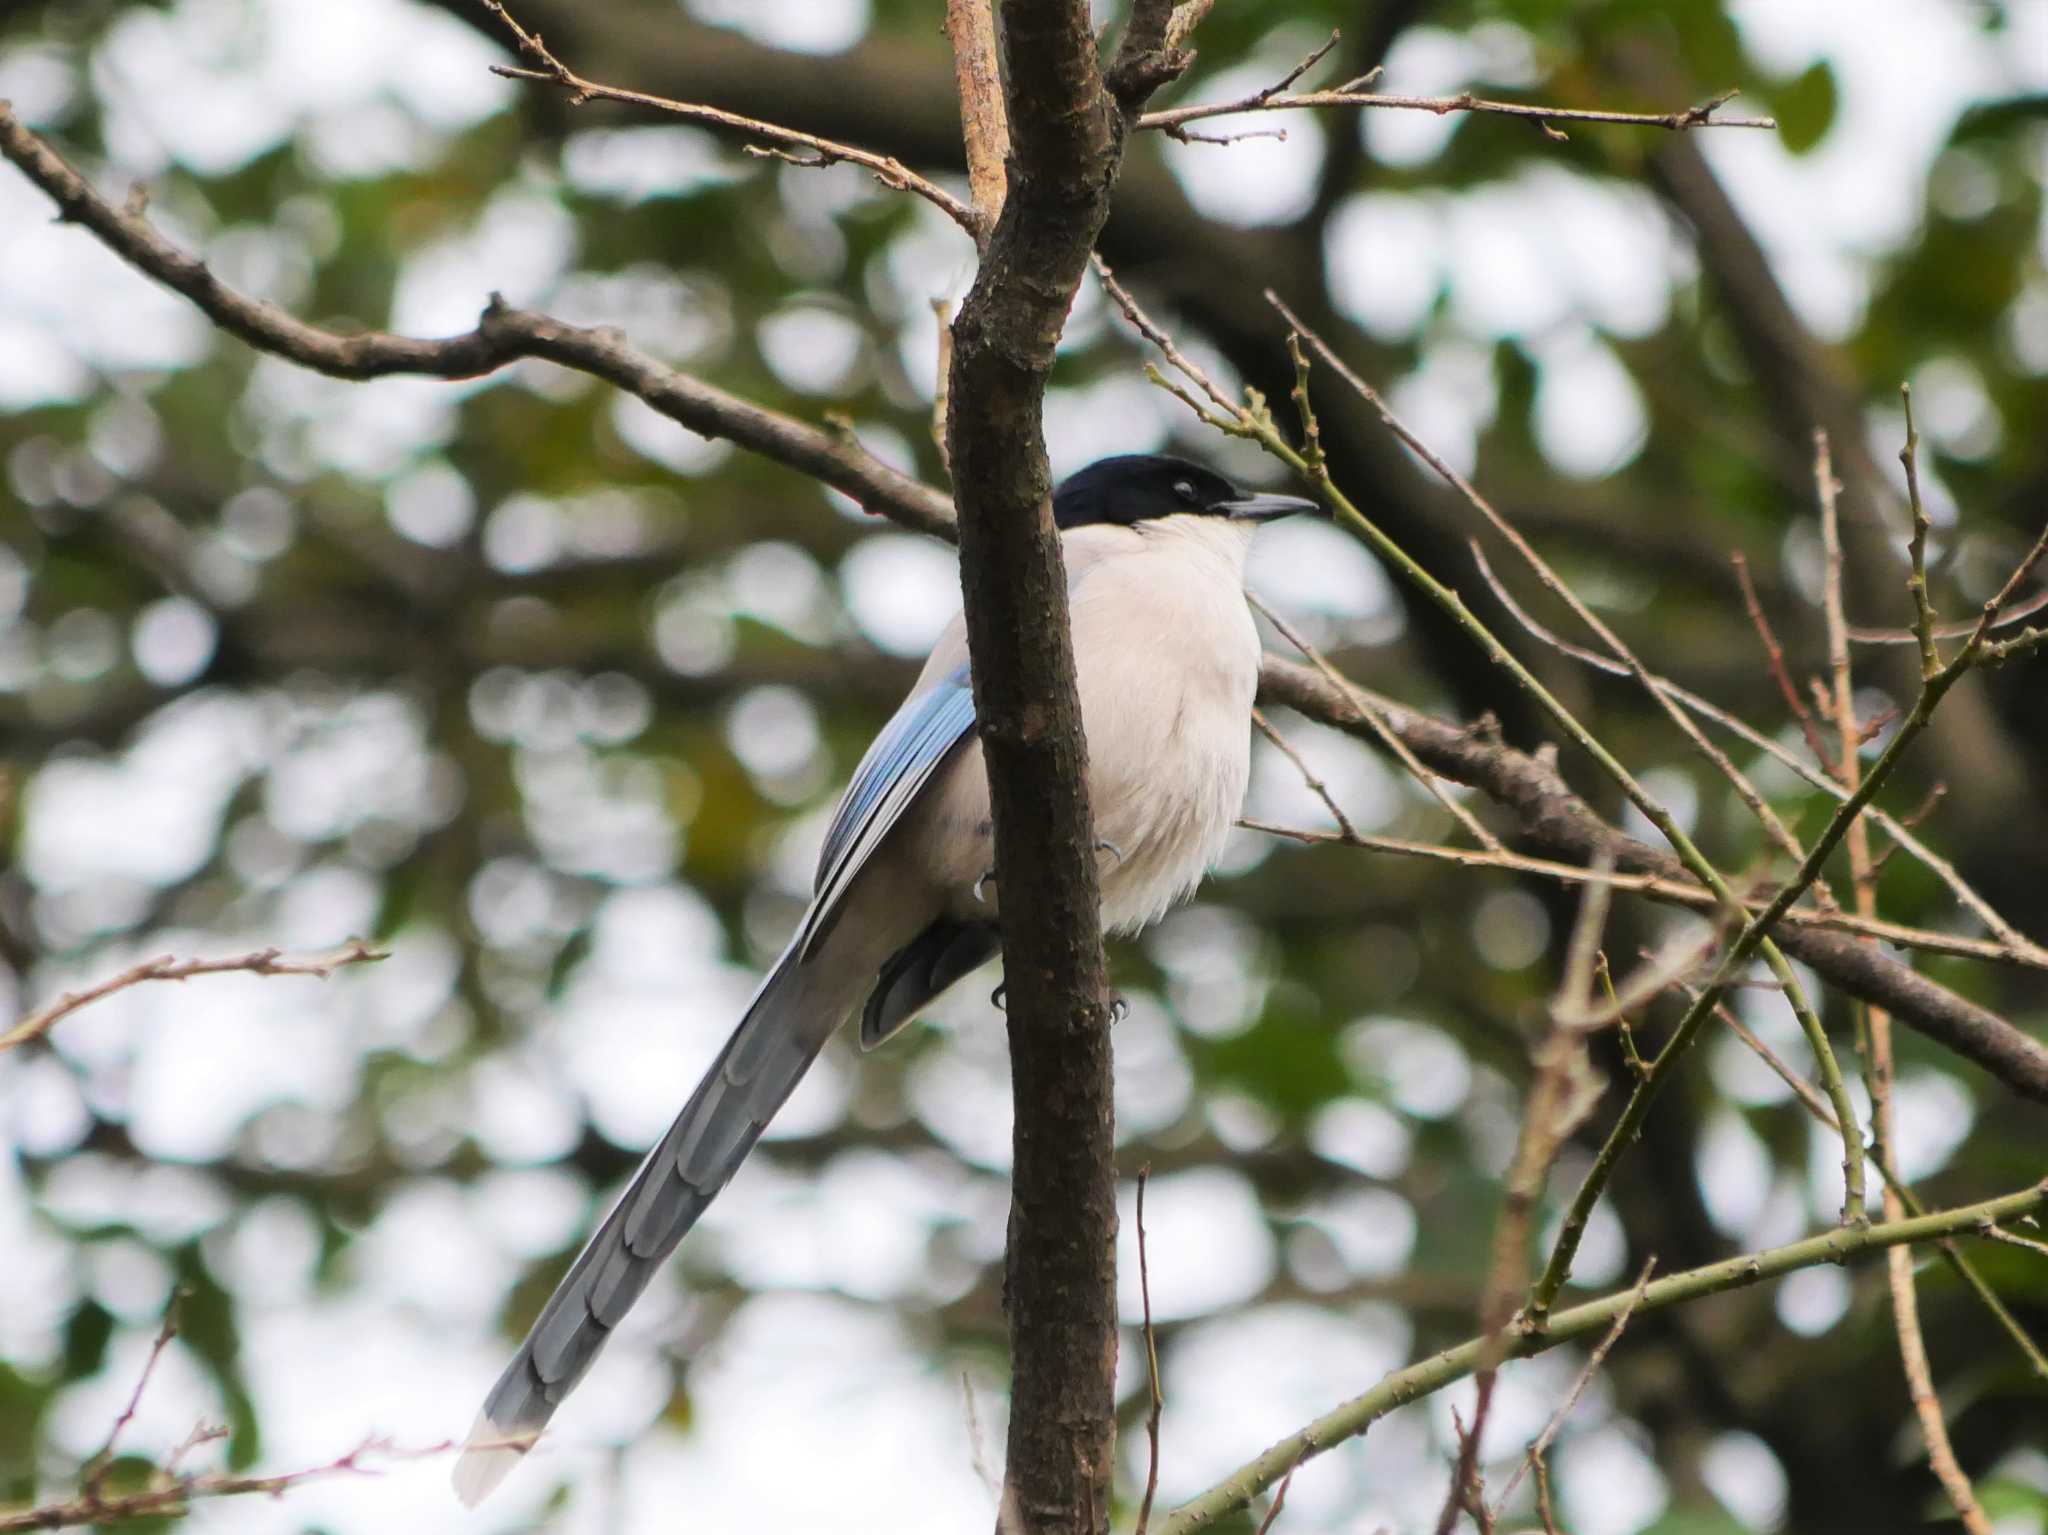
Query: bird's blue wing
[(895, 770)]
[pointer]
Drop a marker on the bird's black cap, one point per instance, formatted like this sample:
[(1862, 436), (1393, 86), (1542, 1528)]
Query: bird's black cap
[(1137, 487)]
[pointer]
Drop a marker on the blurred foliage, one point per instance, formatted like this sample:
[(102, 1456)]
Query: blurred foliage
[(457, 665)]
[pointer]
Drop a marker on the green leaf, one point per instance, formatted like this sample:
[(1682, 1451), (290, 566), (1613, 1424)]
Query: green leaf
[(1805, 108)]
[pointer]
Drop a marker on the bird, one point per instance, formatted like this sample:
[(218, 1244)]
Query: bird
[(906, 902)]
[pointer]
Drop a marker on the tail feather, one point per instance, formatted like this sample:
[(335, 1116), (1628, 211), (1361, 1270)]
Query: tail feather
[(753, 1075), (920, 970)]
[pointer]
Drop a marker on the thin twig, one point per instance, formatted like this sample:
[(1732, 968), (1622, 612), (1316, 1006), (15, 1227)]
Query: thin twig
[(1315, 785), (1673, 891), (1540, 1447), (169, 1496), (2014, 1239), (1279, 1502), (1157, 1404), (1861, 634), (503, 335), (1747, 791), (1257, 100), (1701, 116), (1916, 549), (942, 312), (546, 69), (1377, 721), (2010, 1054), (1805, 1091), (1877, 1024), (1755, 937), (1837, 1244), (168, 1492), (1562, 1091), (1544, 1511), (169, 968), (1776, 655), (94, 1477), (977, 1453)]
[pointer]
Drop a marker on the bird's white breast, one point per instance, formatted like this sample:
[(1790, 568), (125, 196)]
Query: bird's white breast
[(1168, 661)]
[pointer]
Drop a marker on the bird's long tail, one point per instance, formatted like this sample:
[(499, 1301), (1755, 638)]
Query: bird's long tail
[(783, 1029)]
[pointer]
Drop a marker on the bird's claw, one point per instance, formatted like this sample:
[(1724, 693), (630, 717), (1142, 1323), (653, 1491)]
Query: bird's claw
[(1119, 1009), (979, 888)]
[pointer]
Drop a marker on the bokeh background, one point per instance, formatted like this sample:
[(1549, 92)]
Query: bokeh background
[(551, 698)]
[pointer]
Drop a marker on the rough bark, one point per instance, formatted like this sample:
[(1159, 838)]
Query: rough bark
[(1067, 128)]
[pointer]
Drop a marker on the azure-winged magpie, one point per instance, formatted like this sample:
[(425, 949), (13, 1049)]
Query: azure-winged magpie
[(1166, 659)]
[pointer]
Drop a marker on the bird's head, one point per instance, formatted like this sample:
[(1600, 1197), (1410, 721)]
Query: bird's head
[(1135, 488)]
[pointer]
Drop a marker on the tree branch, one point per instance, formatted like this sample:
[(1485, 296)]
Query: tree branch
[(891, 172), (167, 968), (1556, 821), (984, 122), (1838, 1245), (1173, 119), (1066, 136), (503, 335)]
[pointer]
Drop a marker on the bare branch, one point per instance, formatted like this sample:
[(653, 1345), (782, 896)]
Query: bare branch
[(1756, 935), (1877, 1024), (984, 120), (170, 1493), (1157, 1403), (1274, 100), (1548, 811), (1315, 785), (1068, 129), (1776, 653), (1899, 828), (1377, 721), (1916, 552), (1279, 1502), (94, 1478), (1176, 130), (1541, 1446), (503, 336), (891, 172), (1554, 820), (1677, 892), (1562, 1092), (2013, 1239), (942, 312), (1839, 1244), (169, 968), (2013, 613), (1746, 791)]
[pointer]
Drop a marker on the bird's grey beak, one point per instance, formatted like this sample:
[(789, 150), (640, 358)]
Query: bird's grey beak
[(1262, 507)]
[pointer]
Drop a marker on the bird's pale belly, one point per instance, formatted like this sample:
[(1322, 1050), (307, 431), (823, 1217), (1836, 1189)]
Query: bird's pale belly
[(1166, 808)]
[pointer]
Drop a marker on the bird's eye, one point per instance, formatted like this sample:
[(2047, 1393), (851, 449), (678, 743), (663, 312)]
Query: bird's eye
[(1185, 489)]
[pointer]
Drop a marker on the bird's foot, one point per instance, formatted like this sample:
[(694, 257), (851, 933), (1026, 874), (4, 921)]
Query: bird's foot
[(979, 889), (1119, 1009)]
